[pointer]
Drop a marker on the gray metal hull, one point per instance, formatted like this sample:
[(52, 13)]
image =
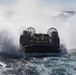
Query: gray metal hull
[(41, 49)]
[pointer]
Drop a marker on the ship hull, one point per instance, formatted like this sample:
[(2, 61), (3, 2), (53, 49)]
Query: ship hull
[(41, 49)]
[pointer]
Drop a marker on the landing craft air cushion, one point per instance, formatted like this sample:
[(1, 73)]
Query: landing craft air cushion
[(38, 43)]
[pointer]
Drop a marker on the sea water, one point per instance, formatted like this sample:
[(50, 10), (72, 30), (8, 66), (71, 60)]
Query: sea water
[(21, 14), (64, 65)]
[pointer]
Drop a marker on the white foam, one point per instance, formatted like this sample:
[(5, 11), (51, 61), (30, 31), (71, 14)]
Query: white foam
[(2, 64), (17, 17)]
